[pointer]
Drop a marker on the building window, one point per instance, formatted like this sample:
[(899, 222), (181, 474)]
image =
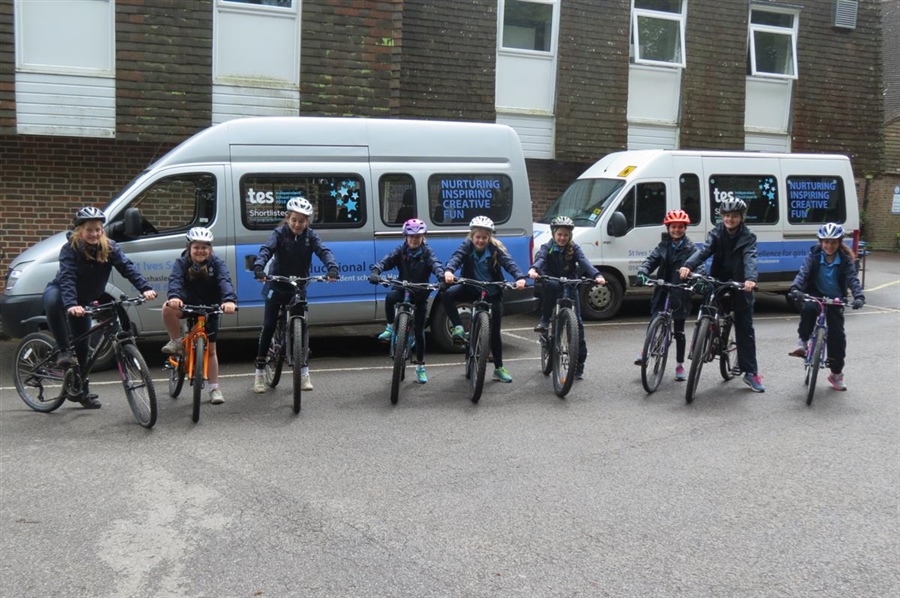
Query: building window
[(277, 3), (657, 32), (759, 192), (339, 200), (528, 25), (773, 43)]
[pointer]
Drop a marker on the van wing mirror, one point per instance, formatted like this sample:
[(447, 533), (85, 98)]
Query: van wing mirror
[(617, 225), (133, 223)]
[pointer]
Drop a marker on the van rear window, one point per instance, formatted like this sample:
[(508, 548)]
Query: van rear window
[(454, 199), (339, 200), (816, 199), (759, 191)]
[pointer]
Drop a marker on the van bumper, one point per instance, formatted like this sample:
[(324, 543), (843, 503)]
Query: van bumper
[(15, 308)]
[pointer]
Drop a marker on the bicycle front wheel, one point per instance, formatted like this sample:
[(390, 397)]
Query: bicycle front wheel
[(401, 352), (815, 363), (176, 375), (197, 379), (38, 381), (479, 347), (656, 353), (565, 352), (546, 353), (298, 351), (275, 355), (700, 344), (139, 389), (728, 355)]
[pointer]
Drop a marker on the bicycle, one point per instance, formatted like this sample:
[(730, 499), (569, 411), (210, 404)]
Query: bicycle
[(37, 376), (816, 346), (403, 336), (560, 341), (714, 334), (194, 362), (291, 339), (477, 341), (660, 334)]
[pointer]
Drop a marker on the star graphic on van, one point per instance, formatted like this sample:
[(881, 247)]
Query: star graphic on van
[(344, 192), (351, 205)]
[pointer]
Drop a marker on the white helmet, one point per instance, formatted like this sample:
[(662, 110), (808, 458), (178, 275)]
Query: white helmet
[(482, 222), (198, 234), (300, 205)]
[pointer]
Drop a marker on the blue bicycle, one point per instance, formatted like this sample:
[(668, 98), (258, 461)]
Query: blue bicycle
[(660, 334), (816, 347)]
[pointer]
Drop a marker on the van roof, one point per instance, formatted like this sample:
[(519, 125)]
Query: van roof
[(386, 139)]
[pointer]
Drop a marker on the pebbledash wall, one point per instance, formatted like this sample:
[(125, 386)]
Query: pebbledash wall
[(441, 64)]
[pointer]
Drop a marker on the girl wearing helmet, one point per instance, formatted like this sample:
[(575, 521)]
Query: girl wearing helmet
[(290, 248), (415, 262), (733, 249), (85, 263), (666, 259), (199, 277), (559, 257), (481, 257), (829, 270)]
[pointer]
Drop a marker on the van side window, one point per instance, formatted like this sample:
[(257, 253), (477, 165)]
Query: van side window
[(454, 199), (689, 190), (651, 204), (759, 191), (170, 205), (816, 199), (398, 199), (339, 200)]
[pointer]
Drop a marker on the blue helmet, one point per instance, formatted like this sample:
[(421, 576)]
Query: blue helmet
[(831, 231)]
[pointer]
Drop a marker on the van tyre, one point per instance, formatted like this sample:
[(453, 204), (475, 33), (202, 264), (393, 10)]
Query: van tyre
[(441, 328), (602, 302)]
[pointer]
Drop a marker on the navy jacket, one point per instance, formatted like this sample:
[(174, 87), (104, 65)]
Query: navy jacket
[(500, 260), (744, 257), (82, 281), (215, 289), (666, 261), (555, 263), (847, 278), (411, 269), (291, 254)]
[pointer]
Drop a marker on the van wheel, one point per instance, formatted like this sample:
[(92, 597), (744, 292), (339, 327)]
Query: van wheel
[(602, 302), (440, 328)]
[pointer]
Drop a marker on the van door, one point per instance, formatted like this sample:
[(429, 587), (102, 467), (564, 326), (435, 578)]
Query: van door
[(644, 206)]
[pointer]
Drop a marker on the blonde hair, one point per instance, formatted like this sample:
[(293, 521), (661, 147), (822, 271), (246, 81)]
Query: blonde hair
[(493, 240), (77, 238)]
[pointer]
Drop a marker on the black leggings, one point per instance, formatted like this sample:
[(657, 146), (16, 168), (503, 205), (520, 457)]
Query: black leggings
[(420, 300), (457, 293)]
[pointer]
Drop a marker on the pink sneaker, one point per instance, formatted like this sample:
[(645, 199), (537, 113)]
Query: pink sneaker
[(837, 381), (679, 373)]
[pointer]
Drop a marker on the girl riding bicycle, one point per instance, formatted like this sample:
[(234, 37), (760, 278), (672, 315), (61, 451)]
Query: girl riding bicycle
[(415, 262), (481, 257), (290, 247), (85, 263), (199, 277), (562, 257), (666, 259), (829, 270)]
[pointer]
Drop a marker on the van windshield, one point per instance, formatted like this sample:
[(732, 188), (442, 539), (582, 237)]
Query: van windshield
[(584, 201)]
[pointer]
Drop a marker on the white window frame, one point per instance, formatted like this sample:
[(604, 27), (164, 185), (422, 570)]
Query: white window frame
[(754, 28), (643, 13), (554, 29)]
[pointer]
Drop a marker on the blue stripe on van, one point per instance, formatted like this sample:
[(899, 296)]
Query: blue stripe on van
[(778, 260)]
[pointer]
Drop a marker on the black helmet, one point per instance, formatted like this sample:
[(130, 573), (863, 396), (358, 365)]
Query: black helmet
[(89, 213)]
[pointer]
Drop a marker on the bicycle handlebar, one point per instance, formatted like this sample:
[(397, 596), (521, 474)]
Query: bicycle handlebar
[(716, 282), (659, 282), (503, 284), (203, 310), (294, 280), (823, 300), (567, 281), (394, 282), (123, 300)]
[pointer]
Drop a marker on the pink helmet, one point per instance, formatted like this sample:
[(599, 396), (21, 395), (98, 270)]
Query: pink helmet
[(414, 226)]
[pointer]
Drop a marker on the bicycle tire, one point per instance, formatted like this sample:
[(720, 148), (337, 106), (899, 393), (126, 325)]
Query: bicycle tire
[(197, 378), (656, 353), (728, 355), (479, 347), (401, 351), (176, 376), (699, 347), (138, 383), (31, 383), (298, 353), (815, 362), (546, 353), (565, 352), (275, 355)]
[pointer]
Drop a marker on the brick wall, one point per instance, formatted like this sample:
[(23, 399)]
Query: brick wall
[(448, 67), (7, 70), (163, 69), (713, 86), (881, 226), (348, 52), (548, 179), (592, 80)]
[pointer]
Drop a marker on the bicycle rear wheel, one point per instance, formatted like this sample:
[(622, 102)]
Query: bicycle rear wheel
[(38, 381), (656, 353), (700, 343), (728, 355), (275, 355), (175, 366), (479, 346), (139, 389), (401, 353), (298, 354), (815, 363), (565, 352), (197, 379)]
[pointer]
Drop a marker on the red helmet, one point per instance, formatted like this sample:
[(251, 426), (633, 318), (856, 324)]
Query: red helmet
[(677, 216)]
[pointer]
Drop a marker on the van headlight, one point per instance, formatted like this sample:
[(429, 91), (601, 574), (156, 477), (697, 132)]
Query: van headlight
[(13, 277)]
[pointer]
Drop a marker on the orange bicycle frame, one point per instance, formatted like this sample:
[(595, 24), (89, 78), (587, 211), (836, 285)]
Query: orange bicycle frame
[(190, 359)]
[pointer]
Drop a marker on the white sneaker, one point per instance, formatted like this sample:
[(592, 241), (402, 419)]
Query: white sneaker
[(259, 383), (215, 397), (305, 382)]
